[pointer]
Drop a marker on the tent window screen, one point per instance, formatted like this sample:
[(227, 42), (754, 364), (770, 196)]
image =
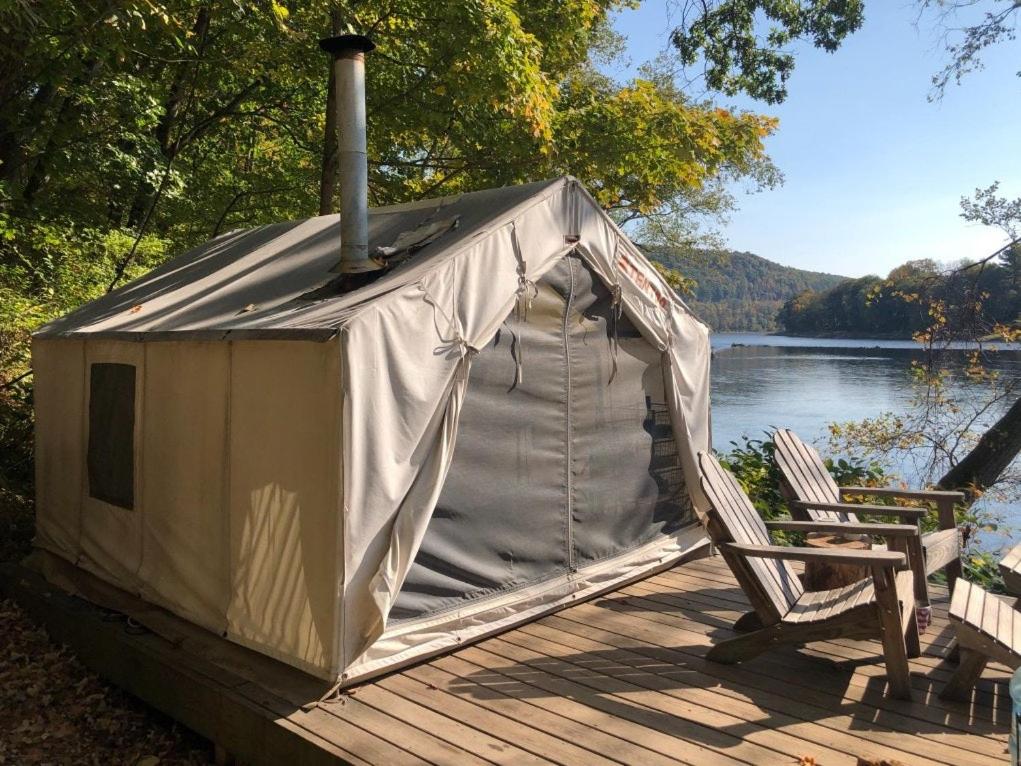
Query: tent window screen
[(111, 456)]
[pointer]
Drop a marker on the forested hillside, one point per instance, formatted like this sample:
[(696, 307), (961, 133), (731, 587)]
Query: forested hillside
[(741, 291), (974, 298)]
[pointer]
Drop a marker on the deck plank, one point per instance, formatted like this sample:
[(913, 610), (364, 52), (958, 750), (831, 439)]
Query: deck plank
[(510, 742), (724, 712), (617, 680), (990, 700), (822, 703), (621, 699), (763, 697), (561, 718), (633, 741)]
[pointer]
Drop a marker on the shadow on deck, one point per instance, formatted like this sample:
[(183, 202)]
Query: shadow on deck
[(622, 679)]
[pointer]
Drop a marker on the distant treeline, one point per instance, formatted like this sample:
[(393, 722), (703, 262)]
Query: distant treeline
[(738, 316), (913, 297), (740, 291)]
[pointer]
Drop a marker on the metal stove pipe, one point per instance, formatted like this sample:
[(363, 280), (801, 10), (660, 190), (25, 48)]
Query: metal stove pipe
[(348, 53)]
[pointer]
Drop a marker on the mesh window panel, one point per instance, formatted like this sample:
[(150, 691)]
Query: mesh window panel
[(111, 457), (560, 469), (626, 481)]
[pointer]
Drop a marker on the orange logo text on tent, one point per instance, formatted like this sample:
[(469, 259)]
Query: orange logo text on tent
[(643, 283)]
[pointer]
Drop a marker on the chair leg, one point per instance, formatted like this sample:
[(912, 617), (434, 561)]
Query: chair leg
[(953, 571), (953, 654), (894, 633), (912, 643), (898, 674), (921, 587), (966, 676), (912, 549), (747, 622), (745, 647)]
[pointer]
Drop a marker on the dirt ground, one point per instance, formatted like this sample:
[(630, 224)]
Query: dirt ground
[(53, 710)]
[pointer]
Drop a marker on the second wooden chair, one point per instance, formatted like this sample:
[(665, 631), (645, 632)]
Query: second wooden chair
[(813, 495), (881, 606)]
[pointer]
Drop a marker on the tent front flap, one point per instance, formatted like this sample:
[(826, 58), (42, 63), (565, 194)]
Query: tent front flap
[(407, 359)]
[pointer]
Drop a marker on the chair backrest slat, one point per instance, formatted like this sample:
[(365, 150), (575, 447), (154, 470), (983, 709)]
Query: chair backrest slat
[(804, 477), (770, 584)]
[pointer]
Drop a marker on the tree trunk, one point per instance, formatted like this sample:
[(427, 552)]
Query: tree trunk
[(995, 451), (331, 154), (331, 157), (40, 168), (163, 132), (15, 138)]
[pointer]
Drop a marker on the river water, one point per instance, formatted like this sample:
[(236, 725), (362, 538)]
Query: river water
[(760, 382)]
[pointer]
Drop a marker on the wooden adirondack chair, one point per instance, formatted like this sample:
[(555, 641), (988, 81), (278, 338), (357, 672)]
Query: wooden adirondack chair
[(986, 627), (881, 606), (814, 496)]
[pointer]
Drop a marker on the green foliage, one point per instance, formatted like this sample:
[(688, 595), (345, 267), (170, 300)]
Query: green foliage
[(753, 465), (738, 291), (744, 44), (966, 42), (853, 471), (983, 567), (747, 45), (675, 279), (197, 118), (988, 208), (46, 270)]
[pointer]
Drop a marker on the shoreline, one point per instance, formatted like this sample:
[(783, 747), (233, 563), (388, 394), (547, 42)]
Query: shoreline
[(848, 336), (734, 339)]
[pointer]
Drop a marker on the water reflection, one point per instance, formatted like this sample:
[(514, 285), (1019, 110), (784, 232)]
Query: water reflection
[(756, 388)]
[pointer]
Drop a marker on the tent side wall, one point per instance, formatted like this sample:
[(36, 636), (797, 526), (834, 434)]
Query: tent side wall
[(155, 416), (184, 532), (285, 500), (59, 395), (217, 465)]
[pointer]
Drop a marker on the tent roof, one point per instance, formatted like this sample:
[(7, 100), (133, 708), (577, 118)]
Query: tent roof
[(255, 282)]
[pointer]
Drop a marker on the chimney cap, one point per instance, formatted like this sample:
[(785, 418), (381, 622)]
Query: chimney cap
[(342, 45)]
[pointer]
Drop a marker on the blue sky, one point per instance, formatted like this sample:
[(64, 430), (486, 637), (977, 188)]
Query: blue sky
[(874, 171)]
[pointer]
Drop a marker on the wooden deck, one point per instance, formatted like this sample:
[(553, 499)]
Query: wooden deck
[(619, 680)]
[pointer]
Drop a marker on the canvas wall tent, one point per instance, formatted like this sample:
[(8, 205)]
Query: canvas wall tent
[(230, 439)]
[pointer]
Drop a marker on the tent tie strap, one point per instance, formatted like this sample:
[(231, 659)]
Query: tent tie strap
[(468, 352), (526, 293), (453, 326), (518, 354), (331, 696), (616, 312)]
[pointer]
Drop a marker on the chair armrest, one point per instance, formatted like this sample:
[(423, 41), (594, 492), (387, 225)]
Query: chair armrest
[(943, 499), (886, 510), (845, 528), (890, 559), (905, 494)]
